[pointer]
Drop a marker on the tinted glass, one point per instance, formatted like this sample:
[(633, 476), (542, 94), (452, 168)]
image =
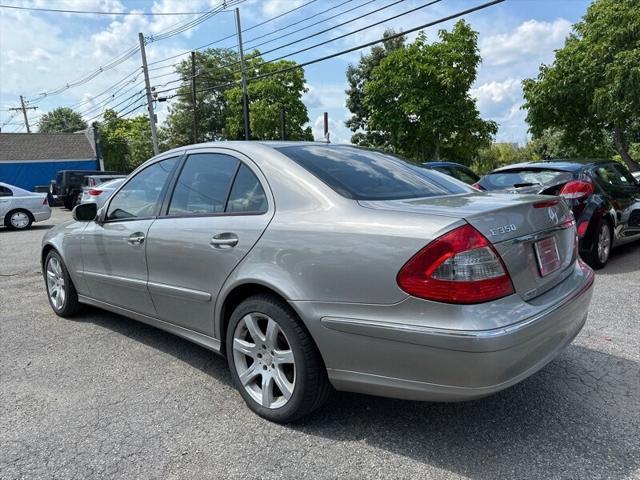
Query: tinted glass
[(367, 174), (5, 192), (203, 184), (466, 176), (247, 194), (139, 197), (613, 174), (523, 178)]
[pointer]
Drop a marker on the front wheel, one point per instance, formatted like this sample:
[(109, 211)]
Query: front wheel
[(273, 361), (61, 292), (598, 254), (18, 220)]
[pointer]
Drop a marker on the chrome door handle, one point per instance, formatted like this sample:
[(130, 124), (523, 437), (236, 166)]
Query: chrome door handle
[(136, 238), (224, 240)]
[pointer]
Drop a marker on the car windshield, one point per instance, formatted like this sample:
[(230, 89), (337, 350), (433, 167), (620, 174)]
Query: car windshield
[(523, 178), (112, 183), (362, 174)]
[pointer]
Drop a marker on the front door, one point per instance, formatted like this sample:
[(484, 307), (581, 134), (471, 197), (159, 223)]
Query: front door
[(216, 214), (113, 252)]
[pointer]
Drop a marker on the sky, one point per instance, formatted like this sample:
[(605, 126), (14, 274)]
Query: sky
[(45, 51)]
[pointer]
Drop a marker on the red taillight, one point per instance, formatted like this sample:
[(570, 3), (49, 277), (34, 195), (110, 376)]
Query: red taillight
[(45, 201), (95, 192), (576, 190), (546, 203), (477, 186), (459, 267)]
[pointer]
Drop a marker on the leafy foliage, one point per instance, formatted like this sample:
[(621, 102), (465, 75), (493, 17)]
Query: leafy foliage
[(266, 97), (61, 120), (357, 77), (591, 92), (215, 68), (418, 98), (125, 142)]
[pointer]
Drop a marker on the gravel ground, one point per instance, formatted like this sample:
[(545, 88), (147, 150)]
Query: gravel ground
[(101, 396)]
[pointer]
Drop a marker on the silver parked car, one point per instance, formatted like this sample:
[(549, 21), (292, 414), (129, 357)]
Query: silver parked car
[(312, 266), (19, 208), (101, 193)]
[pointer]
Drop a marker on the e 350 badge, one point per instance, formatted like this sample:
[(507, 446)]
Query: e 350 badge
[(503, 229)]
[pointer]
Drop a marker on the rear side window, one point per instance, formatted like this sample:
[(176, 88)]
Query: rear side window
[(616, 175), (523, 178), (246, 194), (203, 184), (362, 174), (5, 192)]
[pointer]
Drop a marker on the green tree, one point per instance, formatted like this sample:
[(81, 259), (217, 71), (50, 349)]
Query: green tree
[(419, 97), (267, 96), (591, 92), (215, 69), (357, 77), (125, 142), (498, 155), (61, 120)]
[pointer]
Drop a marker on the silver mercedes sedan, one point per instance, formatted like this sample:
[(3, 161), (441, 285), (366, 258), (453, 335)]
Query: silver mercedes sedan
[(314, 267)]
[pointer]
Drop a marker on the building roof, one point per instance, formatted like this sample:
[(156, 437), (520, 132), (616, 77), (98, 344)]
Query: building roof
[(15, 147)]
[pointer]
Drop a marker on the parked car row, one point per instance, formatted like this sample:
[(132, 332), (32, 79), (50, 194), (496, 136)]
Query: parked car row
[(68, 184), (314, 266), (603, 195)]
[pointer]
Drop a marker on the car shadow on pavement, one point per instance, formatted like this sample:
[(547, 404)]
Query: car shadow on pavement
[(577, 418), (196, 356)]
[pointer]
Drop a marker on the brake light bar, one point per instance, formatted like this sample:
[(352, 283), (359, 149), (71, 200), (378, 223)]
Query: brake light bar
[(576, 190)]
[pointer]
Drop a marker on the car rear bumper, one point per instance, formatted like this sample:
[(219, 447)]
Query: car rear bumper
[(422, 363), (41, 215)]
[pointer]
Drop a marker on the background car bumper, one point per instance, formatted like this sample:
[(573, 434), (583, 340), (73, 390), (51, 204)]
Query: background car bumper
[(423, 363), (41, 215)]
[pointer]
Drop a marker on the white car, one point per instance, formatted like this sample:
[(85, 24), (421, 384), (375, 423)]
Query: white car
[(100, 193), (636, 175), (20, 208)]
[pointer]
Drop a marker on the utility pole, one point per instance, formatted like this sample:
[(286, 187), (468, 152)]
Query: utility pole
[(283, 127), (24, 112), (152, 116), (193, 97), (245, 96), (326, 127)]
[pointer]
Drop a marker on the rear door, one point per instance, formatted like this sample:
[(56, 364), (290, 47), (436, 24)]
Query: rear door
[(219, 207), (113, 252), (6, 199)]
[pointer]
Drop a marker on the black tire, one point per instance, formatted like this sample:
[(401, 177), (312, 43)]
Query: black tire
[(595, 256), (70, 306), (9, 215), (312, 387), (68, 202)]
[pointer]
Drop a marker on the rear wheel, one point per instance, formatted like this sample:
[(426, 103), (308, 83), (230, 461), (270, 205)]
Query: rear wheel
[(273, 360), (61, 292), (598, 254), (18, 219), (68, 202)]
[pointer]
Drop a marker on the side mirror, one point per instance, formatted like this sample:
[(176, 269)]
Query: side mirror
[(85, 212)]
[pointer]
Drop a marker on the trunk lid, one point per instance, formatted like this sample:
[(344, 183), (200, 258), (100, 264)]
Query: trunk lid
[(535, 235)]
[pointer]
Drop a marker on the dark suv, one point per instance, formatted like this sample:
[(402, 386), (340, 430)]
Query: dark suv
[(604, 197), (68, 184)]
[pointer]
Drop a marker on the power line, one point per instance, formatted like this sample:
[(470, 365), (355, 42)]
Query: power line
[(89, 12), (233, 35), (353, 49), (134, 50)]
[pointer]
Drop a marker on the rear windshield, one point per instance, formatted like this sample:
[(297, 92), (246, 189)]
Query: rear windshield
[(362, 174), (523, 178)]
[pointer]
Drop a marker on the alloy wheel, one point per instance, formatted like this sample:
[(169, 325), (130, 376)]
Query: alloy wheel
[(19, 220), (264, 360), (604, 243), (55, 283)]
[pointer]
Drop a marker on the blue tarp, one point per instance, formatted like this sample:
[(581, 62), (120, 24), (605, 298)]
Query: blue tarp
[(29, 174)]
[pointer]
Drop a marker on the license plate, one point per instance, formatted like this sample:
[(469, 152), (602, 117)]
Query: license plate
[(548, 255)]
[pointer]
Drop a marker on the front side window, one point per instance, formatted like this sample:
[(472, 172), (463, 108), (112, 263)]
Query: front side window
[(203, 184), (361, 174), (139, 197)]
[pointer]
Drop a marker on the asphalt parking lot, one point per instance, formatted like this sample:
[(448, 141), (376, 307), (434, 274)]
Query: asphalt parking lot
[(101, 396)]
